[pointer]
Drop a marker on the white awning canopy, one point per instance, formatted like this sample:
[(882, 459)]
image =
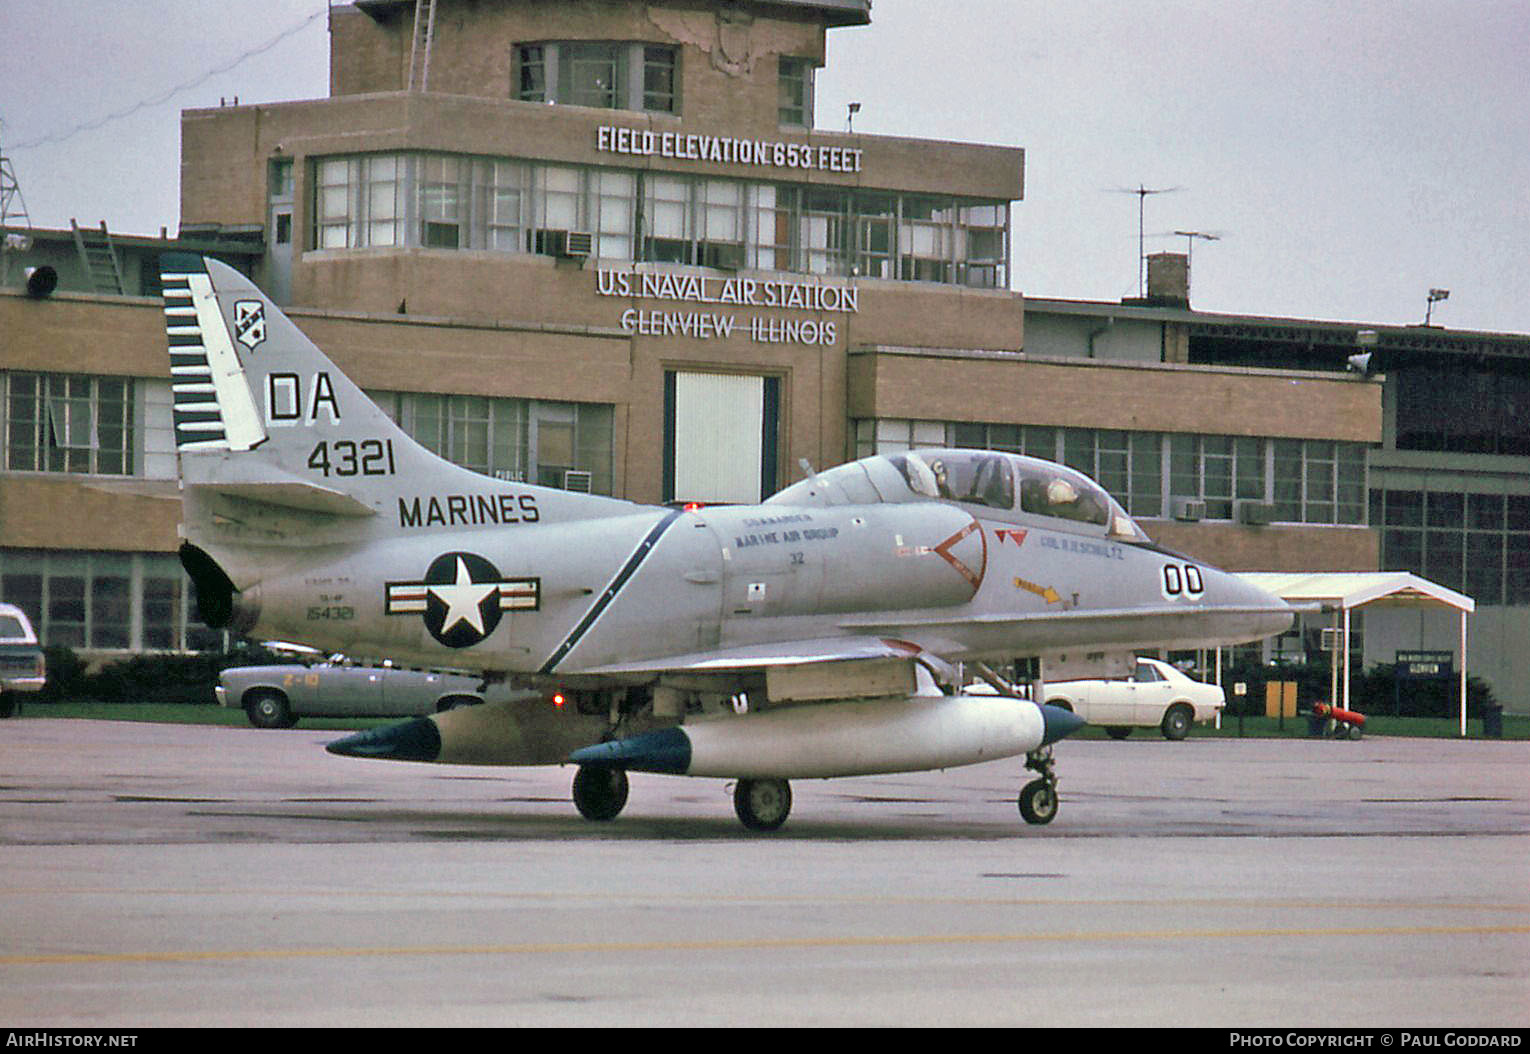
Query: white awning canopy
[(1343, 591), (1353, 589)]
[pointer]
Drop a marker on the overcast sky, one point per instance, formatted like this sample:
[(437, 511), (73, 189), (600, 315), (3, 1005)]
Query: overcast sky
[(1349, 155)]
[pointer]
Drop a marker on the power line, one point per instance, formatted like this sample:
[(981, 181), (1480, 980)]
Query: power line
[(166, 96)]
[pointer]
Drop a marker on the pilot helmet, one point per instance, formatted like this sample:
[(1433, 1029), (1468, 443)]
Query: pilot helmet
[(1061, 492)]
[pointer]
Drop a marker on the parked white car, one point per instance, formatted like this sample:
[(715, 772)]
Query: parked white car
[(22, 666), (1157, 696)]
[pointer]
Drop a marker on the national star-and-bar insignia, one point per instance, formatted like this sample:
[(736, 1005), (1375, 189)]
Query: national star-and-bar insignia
[(462, 598), (249, 322)]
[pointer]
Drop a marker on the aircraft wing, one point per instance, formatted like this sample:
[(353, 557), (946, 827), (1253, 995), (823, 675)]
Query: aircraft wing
[(769, 656), (979, 636), (947, 639)]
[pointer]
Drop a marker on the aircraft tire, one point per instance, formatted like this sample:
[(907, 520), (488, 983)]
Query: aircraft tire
[(762, 805), (10, 705), (1177, 721), (600, 792), (1038, 802), (268, 708), (1118, 731)]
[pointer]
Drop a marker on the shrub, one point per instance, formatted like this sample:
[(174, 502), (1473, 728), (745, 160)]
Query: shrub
[(151, 677)]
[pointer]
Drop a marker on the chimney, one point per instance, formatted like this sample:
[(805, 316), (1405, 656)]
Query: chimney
[(1168, 280)]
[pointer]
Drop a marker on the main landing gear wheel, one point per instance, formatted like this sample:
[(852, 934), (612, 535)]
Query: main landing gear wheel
[(1038, 798), (762, 805), (600, 791)]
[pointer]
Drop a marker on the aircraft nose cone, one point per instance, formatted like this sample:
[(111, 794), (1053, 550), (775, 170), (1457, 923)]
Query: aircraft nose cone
[(1057, 723)]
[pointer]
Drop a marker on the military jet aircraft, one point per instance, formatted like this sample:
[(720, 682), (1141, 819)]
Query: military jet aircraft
[(817, 634)]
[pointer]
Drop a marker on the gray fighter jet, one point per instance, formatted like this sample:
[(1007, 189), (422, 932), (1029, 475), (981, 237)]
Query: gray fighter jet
[(824, 632)]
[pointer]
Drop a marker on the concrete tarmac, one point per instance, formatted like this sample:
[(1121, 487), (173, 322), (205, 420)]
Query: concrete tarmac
[(157, 875)]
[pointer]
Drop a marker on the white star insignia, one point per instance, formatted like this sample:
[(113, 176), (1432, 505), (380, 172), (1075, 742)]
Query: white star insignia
[(463, 599)]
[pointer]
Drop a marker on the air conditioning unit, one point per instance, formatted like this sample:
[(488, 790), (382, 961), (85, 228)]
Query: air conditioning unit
[(576, 480), (1255, 513), (578, 244), (547, 243), (1189, 509), (567, 245)]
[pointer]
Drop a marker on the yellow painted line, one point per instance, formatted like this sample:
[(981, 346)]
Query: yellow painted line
[(750, 944)]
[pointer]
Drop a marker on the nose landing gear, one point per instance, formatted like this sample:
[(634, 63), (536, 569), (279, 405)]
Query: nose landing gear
[(1038, 798)]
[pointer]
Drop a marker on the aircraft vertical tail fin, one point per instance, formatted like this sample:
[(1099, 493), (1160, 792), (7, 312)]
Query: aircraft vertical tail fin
[(277, 446), (247, 381)]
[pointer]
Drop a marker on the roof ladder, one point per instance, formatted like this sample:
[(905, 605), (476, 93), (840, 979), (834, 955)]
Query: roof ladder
[(419, 51), (98, 256)]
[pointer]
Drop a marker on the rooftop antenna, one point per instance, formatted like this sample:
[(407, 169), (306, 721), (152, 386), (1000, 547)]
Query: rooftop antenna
[(1190, 237), (1142, 193)]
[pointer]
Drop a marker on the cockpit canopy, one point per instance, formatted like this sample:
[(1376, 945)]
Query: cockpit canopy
[(1004, 483)]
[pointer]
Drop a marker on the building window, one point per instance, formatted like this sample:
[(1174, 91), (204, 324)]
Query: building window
[(669, 232), (875, 219), (796, 92), (553, 444), (822, 225), (1318, 482), (926, 251), (982, 249), (359, 202), (502, 205), (1478, 544), (445, 201), (105, 601), (590, 75), (721, 223), (769, 245), (531, 61), (1151, 473), (441, 202), (612, 212), (1459, 407), (607, 75), (57, 422), (660, 92), (1219, 471)]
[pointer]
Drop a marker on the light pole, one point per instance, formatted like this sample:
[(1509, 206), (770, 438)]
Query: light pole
[(1435, 296)]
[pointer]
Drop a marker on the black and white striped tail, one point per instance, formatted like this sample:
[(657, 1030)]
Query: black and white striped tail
[(213, 408)]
